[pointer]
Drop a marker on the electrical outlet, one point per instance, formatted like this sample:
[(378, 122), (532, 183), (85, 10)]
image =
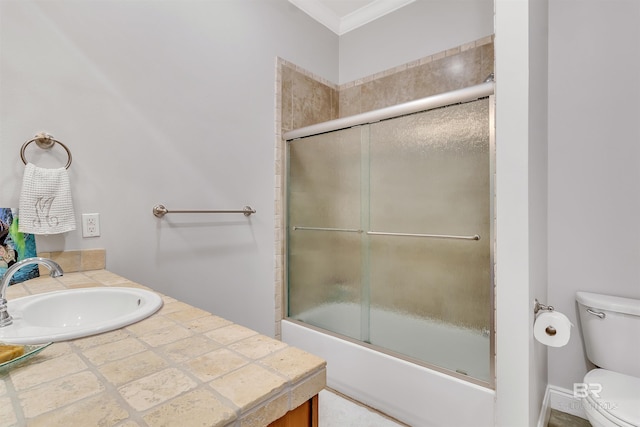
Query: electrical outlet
[(90, 225)]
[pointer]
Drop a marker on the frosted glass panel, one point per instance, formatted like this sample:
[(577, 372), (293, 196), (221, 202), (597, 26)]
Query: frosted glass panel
[(324, 267), (425, 298), (430, 174)]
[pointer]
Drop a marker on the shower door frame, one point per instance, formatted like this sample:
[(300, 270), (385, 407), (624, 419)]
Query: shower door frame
[(473, 93)]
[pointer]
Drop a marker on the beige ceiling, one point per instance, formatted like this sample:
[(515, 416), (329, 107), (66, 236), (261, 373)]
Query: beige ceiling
[(342, 16)]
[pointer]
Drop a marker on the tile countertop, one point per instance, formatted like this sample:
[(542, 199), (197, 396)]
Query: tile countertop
[(180, 367)]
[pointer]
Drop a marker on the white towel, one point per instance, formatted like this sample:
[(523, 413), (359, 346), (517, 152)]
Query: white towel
[(45, 202)]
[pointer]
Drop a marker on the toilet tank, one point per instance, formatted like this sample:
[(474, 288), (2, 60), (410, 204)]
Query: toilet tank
[(611, 331)]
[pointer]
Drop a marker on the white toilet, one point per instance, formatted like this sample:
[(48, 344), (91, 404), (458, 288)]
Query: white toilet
[(611, 330)]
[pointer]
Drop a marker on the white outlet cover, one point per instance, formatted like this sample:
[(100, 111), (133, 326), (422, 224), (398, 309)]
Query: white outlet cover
[(91, 225)]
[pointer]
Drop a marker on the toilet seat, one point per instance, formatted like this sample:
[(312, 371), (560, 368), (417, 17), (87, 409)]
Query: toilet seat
[(618, 402)]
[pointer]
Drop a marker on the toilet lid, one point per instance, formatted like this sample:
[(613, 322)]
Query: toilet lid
[(619, 396)]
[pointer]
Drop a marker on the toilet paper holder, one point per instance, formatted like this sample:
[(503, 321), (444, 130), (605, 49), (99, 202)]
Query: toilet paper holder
[(537, 306)]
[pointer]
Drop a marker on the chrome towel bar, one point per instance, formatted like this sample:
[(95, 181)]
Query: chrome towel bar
[(383, 233), (160, 211)]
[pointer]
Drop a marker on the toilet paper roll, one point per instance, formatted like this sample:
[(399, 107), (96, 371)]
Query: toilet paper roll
[(552, 328)]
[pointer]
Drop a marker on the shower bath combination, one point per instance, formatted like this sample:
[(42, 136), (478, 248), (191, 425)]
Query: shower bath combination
[(390, 242)]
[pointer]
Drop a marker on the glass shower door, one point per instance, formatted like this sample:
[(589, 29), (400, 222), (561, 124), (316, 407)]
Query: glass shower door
[(430, 197), (389, 235), (324, 237)]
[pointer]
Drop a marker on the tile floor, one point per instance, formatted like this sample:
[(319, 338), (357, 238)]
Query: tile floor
[(338, 411)]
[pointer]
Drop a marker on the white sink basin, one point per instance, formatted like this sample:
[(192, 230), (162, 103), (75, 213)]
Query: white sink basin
[(64, 315)]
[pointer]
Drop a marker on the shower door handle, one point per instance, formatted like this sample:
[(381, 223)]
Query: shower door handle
[(433, 236), (346, 230)]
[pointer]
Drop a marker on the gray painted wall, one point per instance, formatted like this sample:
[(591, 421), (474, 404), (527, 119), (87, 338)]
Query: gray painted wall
[(594, 162), (161, 102), (420, 29)]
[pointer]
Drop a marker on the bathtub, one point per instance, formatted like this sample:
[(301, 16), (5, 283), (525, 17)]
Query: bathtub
[(409, 392)]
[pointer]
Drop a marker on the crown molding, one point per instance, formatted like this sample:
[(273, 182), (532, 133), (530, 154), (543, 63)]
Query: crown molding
[(369, 13), (341, 25)]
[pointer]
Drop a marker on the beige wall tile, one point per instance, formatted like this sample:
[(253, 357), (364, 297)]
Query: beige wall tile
[(74, 261), (350, 101), (286, 96), (92, 259), (68, 260), (305, 99), (311, 101)]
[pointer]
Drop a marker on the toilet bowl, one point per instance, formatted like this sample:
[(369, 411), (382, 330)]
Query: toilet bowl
[(611, 402), (611, 330)]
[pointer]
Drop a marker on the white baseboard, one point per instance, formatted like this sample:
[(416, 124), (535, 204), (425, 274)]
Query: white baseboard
[(545, 411), (562, 400)]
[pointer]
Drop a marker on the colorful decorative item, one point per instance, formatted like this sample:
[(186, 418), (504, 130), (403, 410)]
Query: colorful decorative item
[(16, 246)]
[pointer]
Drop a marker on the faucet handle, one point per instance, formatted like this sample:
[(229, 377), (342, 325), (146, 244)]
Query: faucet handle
[(5, 317)]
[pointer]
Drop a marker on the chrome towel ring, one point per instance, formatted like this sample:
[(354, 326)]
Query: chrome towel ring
[(45, 141)]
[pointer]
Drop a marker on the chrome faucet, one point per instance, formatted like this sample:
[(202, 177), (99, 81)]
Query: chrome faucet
[(56, 271)]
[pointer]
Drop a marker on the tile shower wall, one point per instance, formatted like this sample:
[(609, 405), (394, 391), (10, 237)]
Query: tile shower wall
[(304, 99), (457, 68)]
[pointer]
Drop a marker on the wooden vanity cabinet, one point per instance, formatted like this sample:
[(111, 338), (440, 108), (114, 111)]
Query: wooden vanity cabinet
[(305, 415)]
